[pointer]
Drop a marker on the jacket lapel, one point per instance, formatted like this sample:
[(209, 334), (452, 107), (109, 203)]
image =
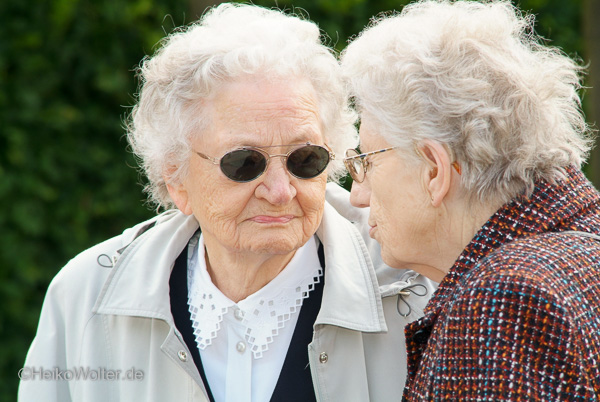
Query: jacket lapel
[(351, 299), (138, 283), (181, 313)]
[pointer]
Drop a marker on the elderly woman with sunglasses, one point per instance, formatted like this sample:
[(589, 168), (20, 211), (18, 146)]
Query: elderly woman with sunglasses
[(473, 139), (255, 288)]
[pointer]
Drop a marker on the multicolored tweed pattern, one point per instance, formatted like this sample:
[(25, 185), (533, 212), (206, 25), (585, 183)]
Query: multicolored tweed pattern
[(518, 315)]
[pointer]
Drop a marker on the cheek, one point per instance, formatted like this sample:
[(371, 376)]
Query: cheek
[(391, 213), (311, 197), (217, 204), (219, 212), (387, 221), (383, 201)]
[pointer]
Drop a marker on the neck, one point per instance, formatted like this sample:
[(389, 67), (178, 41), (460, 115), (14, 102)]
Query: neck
[(465, 220), (457, 222), (239, 274)]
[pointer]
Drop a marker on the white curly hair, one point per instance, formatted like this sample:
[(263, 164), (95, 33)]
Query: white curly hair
[(475, 77), (228, 42)]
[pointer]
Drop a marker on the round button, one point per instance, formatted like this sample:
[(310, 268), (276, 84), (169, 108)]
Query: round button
[(240, 347), (323, 357), (421, 336), (238, 314), (182, 354)]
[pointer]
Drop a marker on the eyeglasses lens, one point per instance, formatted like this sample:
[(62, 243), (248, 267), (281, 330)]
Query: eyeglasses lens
[(245, 165), (355, 166)]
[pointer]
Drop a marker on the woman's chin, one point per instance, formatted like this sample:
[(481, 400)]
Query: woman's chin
[(390, 258), (273, 245)]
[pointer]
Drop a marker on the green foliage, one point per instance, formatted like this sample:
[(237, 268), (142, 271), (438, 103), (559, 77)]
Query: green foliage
[(556, 20), (66, 82), (65, 176)]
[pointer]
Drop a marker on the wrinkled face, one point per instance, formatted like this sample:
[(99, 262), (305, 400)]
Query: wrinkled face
[(399, 217), (277, 212)]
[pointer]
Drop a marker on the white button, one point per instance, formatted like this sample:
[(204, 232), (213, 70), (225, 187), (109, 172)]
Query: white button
[(182, 354), (240, 347), (238, 314)]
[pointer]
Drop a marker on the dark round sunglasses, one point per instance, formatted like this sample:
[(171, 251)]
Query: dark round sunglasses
[(248, 163)]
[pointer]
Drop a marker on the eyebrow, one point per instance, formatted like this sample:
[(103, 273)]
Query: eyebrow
[(251, 141)]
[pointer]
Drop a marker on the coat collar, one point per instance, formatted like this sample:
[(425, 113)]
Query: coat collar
[(351, 296), (139, 282), (566, 205), (550, 208)]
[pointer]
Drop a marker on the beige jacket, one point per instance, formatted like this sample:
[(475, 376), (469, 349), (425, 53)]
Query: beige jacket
[(106, 332)]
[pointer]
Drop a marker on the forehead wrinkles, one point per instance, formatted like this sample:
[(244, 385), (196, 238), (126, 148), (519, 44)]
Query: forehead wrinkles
[(275, 113)]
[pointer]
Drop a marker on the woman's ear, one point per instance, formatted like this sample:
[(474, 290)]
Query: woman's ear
[(438, 179), (179, 195)]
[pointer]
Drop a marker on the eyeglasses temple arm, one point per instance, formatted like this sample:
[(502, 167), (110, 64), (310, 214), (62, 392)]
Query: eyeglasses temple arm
[(213, 160)]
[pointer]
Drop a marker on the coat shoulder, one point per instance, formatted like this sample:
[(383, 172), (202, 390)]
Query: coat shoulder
[(543, 259), (80, 281), (546, 278)]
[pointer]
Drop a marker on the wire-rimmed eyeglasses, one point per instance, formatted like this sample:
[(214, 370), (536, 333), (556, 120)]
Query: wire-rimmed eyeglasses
[(358, 164)]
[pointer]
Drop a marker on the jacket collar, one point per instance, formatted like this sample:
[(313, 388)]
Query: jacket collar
[(570, 204), (550, 208), (351, 297), (139, 282)]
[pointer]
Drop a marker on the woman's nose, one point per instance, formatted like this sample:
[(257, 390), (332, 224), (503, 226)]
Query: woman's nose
[(360, 195), (276, 186)]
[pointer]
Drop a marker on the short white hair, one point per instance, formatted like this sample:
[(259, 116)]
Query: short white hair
[(473, 76), (230, 41)]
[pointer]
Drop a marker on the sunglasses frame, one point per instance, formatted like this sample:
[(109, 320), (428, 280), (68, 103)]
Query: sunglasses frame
[(268, 157)]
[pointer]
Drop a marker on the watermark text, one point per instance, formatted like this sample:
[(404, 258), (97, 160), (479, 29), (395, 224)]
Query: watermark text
[(79, 374)]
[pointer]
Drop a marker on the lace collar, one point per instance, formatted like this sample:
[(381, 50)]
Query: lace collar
[(263, 313)]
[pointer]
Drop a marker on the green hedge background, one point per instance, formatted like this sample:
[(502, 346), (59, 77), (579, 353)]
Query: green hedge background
[(66, 177)]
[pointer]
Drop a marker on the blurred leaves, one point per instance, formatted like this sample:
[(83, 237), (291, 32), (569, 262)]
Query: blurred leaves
[(66, 180)]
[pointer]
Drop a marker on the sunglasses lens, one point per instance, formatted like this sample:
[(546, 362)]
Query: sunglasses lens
[(308, 161), (243, 165)]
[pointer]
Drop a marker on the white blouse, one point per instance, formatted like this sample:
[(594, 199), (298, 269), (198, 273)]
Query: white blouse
[(243, 345)]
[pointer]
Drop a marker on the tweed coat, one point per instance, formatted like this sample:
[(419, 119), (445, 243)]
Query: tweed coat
[(518, 315)]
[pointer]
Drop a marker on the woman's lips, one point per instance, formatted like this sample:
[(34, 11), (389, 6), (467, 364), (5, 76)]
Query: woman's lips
[(272, 219), (372, 230)]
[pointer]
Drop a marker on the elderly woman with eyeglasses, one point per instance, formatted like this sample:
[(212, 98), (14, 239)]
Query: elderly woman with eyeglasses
[(472, 139), (255, 288)]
